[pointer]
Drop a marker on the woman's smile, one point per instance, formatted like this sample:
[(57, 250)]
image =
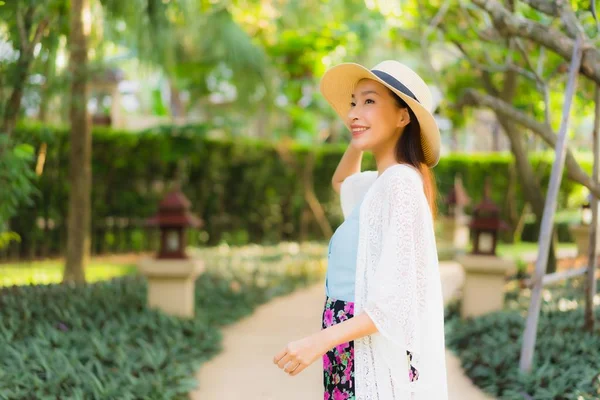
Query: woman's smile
[(358, 130)]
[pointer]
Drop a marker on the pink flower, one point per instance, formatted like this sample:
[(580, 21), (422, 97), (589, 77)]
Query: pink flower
[(326, 363), (328, 317), (349, 308), (341, 347), (348, 372), (337, 395), (327, 396)]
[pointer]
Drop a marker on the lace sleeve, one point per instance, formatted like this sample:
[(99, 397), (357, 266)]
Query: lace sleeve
[(396, 301)]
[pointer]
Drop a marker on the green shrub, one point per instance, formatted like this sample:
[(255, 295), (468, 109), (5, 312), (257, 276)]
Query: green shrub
[(241, 188), (566, 361), (100, 341)]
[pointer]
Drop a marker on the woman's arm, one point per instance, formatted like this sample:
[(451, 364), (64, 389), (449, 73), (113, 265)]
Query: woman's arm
[(348, 165), (301, 353), (354, 328)]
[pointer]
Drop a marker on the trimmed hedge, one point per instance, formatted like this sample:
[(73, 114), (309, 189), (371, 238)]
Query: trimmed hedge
[(100, 341), (566, 361), (240, 187)]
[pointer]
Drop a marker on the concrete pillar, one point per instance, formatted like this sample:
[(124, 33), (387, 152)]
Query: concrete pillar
[(581, 234), (455, 231), (171, 284), (483, 290)]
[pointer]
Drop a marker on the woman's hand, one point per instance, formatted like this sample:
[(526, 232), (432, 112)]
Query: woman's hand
[(298, 355)]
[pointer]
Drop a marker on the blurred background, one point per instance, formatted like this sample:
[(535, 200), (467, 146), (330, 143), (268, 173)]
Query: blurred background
[(107, 106)]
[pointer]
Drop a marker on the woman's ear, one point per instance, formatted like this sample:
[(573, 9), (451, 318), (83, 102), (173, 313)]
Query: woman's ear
[(403, 117)]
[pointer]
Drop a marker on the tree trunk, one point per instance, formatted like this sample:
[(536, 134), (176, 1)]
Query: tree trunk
[(14, 102), (529, 182), (78, 239), (590, 287), (177, 107), (26, 48)]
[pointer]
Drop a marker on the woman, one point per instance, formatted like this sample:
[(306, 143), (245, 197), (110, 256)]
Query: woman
[(383, 326)]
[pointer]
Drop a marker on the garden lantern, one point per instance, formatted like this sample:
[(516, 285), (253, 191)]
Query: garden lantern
[(485, 225), (586, 212), (173, 218), (457, 198)]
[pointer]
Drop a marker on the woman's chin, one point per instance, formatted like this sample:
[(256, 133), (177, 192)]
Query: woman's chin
[(360, 145)]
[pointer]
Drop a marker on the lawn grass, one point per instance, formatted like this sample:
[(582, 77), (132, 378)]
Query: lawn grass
[(515, 250), (47, 272)]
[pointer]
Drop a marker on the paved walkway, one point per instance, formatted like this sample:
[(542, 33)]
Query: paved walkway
[(244, 370)]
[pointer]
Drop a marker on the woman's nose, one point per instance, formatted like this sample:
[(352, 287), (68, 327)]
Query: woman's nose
[(353, 113)]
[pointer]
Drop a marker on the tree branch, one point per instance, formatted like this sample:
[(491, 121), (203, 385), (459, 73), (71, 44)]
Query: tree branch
[(511, 25), (40, 31), (541, 84), (574, 171), (22, 32), (569, 19), (547, 7)]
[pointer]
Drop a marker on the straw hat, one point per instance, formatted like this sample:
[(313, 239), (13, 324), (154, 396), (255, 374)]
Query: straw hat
[(338, 83)]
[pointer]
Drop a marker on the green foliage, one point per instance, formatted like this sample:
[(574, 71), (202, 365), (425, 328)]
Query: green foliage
[(100, 341), (17, 180), (567, 358), (240, 188)]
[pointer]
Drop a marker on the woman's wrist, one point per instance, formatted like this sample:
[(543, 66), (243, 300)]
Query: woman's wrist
[(327, 337)]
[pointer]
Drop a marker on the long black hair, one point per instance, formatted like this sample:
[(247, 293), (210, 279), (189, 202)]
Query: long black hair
[(409, 150)]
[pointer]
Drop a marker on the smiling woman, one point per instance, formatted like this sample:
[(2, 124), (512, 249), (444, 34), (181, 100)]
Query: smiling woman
[(383, 329)]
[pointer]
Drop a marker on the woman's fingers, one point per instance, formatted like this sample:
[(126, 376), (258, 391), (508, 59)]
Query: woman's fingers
[(279, 356), (284, 360), (297, 370)]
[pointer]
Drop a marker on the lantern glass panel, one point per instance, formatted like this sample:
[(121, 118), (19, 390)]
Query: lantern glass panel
[(486, 242), (172, 241)]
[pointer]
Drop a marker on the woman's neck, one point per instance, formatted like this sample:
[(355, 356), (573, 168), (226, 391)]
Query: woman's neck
[(384, 161)]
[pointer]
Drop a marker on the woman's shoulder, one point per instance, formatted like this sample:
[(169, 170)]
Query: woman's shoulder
[(402, 173)]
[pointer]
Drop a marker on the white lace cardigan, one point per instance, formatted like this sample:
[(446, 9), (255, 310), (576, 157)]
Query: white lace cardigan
[(398, 285)]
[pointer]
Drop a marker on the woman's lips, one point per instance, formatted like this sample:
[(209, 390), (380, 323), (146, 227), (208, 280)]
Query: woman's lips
[(356, 133)]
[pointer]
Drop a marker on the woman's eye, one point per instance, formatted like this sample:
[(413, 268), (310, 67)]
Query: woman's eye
[(369, 101), (352, 104)]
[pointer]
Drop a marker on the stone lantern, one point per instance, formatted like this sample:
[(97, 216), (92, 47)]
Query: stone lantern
[(457, 199), (581, 231), (173, 218), (586, 212), (485, 225), (485, 273), (455, 230), (172, 274)]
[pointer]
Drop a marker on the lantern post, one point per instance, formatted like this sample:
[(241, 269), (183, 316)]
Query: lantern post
[(581, 231), (485, 272), (455, 229), (171, 274)]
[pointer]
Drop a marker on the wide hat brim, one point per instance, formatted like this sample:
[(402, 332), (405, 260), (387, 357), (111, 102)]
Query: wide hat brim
[(338, 84)]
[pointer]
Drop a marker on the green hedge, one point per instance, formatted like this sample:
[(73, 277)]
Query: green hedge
[(566, 361), (100, 341), (241, 188)]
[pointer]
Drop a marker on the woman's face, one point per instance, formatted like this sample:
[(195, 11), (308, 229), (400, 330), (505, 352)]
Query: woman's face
[(374, 118)]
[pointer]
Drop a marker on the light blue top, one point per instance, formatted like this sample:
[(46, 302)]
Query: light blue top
[(341, 259)]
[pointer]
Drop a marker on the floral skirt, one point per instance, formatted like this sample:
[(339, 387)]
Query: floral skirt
[(338, 363)]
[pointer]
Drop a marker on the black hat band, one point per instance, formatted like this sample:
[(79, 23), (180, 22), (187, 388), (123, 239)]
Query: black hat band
[(395, 83)]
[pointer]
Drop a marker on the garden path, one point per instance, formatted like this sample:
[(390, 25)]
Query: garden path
[(244, 370)]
